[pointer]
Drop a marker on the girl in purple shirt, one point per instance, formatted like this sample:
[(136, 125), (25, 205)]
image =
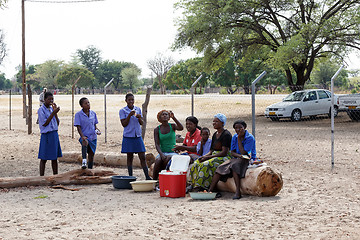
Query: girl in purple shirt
[(131, 119), (49, 148), (85, 122)]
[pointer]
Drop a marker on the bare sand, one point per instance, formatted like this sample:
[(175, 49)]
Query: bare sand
[(315, 202)]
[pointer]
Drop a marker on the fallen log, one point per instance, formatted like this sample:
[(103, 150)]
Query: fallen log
[(108, 159), (74, 177), (261, 181)]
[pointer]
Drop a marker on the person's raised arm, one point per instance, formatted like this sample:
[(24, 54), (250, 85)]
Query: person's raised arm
[(177, 126), (54, 113)]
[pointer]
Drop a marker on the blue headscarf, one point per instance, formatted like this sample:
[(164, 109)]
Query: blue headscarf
[(221, 117)]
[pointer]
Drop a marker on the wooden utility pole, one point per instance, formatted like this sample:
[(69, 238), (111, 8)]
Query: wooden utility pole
[(72, 106), (23, 59), (29, 111)]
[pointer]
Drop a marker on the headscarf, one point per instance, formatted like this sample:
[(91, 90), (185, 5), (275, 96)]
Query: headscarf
[(221, 117)]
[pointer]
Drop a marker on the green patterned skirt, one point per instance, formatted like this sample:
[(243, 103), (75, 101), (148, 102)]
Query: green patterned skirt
[(201, 173)]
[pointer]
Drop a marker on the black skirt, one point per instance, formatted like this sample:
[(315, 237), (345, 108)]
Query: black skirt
[(237, 165)]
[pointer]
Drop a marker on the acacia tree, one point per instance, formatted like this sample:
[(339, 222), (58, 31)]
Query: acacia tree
[(2, 46), (91, 59), (113, 69), (68, 76), (160, 65), (131, 77), (46, 73), (293, 34), (184, 73)]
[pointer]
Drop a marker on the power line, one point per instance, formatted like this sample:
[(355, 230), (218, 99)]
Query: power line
[(70, 1)]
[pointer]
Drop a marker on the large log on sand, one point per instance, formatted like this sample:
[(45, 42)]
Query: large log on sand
[(74, 177), (261, 181), (108, 159)]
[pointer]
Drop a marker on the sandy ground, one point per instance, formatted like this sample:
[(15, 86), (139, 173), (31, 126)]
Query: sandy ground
[(315, 202)]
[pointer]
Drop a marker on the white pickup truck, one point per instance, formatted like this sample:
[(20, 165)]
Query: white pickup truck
[(351, 104)]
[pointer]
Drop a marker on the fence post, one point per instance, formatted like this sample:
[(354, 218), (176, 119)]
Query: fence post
[(332, 115), (29, 112), (10, 110), (192, 94), (105, 107), (72, 106), (253, 100)]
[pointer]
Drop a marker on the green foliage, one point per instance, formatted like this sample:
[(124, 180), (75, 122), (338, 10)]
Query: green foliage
[(69, 75), (290, 35), (45, 74), (131, 77), (183, 74), (323, 73), (113, 69), (4, 82), (29, 69)]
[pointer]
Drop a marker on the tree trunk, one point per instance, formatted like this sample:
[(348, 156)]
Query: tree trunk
[(260, 181), (144, 111), (74, 177)]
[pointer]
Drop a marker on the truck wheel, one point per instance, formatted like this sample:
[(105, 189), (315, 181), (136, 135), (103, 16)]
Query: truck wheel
[(296, 115), (336, 111)]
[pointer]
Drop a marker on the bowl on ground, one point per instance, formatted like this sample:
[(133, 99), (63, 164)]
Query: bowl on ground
[(122, 182), (202, 195), (143, 186)]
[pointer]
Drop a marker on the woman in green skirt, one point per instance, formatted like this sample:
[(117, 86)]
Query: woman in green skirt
[(203, 169)]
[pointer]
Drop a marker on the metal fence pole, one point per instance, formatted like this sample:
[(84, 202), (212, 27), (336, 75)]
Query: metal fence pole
[(332, 115), (105, 107), (253, 100), (10, 110), (192, 94)]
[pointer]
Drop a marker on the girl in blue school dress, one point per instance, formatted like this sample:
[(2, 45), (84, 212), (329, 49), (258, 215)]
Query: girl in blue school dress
[(131, 119), (49, 148), (85, 121)]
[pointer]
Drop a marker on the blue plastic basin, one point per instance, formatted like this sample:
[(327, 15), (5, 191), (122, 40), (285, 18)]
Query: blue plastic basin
[(122, 182)]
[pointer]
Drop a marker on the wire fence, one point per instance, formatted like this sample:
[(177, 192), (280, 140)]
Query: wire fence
[(294, 114)]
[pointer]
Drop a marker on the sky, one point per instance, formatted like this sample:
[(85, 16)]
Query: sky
[(124, 30)]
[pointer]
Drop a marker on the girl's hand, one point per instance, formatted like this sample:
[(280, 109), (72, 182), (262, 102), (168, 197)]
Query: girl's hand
[(132, 112), (138, 115), (85, 141), (56, 109), (171, 114)]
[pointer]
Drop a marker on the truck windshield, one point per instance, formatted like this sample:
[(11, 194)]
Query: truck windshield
[(293, 97)]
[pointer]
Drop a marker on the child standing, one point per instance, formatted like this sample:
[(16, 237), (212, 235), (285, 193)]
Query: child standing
[(49, 148), (131, 119), (85, 122)]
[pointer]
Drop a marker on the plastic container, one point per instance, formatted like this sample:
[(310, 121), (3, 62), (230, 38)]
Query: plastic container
[(173, 183), (143, 186), (122, 182), (202, 195)]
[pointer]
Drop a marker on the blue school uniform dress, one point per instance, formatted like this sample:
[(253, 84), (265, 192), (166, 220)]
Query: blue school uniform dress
[(206, 147), (87, 125), (132, 140), (49, 148)]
